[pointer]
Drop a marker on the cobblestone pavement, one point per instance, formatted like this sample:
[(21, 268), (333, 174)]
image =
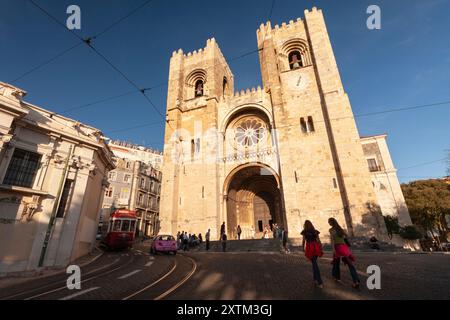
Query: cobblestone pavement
[(135, 274), (289, 276)]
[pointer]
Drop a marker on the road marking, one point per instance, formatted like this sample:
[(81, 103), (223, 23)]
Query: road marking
[(79, 293), (129, 274), (148, 264)]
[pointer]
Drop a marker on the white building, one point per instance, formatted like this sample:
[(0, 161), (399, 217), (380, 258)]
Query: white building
[(53, 173)]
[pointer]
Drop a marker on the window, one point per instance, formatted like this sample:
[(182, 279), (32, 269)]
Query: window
[(303, 126), (116, 226), (112, 176), (224, 85), (373, 165), (296, 177), (310, 125), (125, 193), (142, 183), (199, 88), (203, 192), (133, 225), (127, 178), (192, 149), (295, 60), (197, 145), (22, 169), (307, 126), (125, 226), (141, 199), (109, 192), (64, 198), (128, 165), (334, 183)]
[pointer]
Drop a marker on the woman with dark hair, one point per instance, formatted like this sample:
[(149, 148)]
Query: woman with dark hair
[(341, 249), (313, 249)]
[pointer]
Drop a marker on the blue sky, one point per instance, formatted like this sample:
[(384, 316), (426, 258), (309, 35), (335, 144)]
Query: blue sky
[(406, 63)]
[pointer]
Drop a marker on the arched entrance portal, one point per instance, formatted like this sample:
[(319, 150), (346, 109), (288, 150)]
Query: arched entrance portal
[(253, 202)]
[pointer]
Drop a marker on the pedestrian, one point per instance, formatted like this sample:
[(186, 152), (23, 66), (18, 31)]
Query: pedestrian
[(239, 231), (266, 232), (200, 238), (274, 230), (284, 239), (313, 249), (207, 235), (341, 250), (224, 242), (222, 229), (185, 242)]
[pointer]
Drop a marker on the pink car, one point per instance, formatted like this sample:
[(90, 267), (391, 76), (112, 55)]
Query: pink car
[(163, 243)]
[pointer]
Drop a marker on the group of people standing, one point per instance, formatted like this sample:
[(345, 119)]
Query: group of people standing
[(312, 247), (186, 241)]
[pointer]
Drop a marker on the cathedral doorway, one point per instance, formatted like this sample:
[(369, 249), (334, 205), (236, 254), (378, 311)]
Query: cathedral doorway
[(253, 201)]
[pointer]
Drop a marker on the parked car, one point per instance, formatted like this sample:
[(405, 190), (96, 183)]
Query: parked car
[(163, 243)]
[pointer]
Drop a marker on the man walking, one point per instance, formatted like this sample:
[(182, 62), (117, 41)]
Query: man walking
[(239, 231), (207, 236)]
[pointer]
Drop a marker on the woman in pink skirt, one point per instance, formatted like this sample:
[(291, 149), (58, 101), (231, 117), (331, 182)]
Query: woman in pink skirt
[(313, 249), (341, 250)]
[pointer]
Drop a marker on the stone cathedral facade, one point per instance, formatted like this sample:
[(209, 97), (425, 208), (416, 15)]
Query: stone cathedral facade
[(284, 153)]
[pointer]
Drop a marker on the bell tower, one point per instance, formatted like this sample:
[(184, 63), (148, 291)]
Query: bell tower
[(322, 164), (197, 81)]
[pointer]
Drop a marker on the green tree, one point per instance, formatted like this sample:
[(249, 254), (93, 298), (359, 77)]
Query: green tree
[(428, 202)]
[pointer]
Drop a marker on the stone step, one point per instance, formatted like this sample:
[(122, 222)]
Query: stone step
[(244, 245), (294, 244)]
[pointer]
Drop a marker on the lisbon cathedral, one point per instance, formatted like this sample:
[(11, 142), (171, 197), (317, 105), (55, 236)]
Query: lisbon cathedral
[(283, 153)]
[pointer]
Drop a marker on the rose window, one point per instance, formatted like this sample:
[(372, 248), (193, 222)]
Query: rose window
[(250, 132)]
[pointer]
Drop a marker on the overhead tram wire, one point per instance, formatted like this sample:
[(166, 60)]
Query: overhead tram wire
[(43, 64), (98, 101), (48, 61), (243, 55), (132, 128), (88, 42)]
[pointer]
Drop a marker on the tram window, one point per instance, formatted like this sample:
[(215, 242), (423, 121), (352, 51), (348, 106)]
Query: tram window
[(116, 225), (126, 225), (133, 226)]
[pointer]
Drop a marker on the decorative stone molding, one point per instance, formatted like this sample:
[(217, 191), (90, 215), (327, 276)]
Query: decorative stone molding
[(29, 209)]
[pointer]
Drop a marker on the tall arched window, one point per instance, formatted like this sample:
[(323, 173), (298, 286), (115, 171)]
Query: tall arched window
[(199, 88), (224, 85), (295, 60), (303, 125), (310, 124)]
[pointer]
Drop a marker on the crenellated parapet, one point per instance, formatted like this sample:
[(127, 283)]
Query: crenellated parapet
[(246, 96), (210, 51)]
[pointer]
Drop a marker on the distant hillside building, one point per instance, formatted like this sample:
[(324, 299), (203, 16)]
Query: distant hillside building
[(135, 184), (53, 175)]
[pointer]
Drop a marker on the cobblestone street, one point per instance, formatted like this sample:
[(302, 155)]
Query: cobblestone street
[(200, 275)]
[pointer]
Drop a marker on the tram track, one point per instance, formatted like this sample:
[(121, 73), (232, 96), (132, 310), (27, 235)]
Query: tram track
[(57, 278), (104, 274), (60, 284), (159, 289)]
